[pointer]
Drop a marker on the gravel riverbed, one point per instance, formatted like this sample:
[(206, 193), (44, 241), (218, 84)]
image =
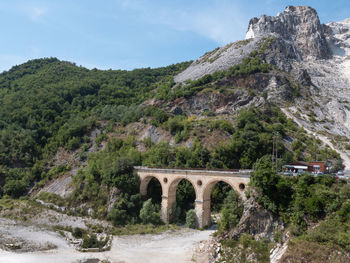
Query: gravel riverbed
[(34, 244)]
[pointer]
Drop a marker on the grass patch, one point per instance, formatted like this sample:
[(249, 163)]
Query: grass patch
[(328, 242), (245, 250), (51, 198), (312, 252), (19, 209)]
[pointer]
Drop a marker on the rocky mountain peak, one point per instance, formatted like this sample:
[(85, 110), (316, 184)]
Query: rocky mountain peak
[(297, 36), (299, 26)]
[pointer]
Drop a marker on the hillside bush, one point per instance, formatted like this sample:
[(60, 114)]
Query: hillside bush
[(191, 219), (15, 188), (231, 211), (149, 213)]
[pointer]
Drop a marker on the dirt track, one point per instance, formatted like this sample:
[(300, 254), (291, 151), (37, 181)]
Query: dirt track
[(169, 247)]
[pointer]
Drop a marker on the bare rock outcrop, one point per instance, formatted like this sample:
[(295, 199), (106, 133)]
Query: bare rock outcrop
[(257, 221), (220, 59), (299, 27), (297, 33)]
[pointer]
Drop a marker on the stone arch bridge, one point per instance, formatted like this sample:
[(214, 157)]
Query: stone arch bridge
[(202, 181)]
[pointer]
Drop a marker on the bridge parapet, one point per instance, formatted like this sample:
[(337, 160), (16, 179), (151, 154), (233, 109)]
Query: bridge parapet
[(191, 171), (203, 181)]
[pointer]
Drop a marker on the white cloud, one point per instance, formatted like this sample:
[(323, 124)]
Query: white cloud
[(132, 4), (220, 21), (221, 24), (36, 13)]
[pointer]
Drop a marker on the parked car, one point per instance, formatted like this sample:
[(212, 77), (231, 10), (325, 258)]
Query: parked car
[(340, 173), (288, 173), (319, 174)]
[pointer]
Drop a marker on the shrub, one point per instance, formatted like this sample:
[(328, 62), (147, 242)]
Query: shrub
[(118, 216), (174, 214), (191, 218), (51, 198), (159, 116), (77, 232), (344, 212), (231, 212), (332, 232), (243, 249), (73, 143), (15, 188), (223, 125), (149, 213), (91, 241), (176, 124)]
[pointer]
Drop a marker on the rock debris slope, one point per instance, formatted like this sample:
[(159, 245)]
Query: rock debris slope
[(315, 56)]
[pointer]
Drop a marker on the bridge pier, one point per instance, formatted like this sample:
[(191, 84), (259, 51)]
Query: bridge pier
[(164, 210), (168, 202), (202, 209)]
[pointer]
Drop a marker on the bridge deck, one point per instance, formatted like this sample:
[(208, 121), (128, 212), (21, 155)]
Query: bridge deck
[(205, 172)]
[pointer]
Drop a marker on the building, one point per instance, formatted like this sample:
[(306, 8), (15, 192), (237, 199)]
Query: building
[(298, 167), (320, 167), (307, 167)]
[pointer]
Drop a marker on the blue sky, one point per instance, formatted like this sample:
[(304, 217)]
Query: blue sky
[(127, 34)]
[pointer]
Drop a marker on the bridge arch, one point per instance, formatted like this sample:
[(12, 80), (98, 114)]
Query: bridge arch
[(175, 182), (205, 207), (238, 187), (173, 187), (144, 182)]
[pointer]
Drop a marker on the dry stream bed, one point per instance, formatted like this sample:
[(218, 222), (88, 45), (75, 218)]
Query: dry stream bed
[(21, 243)]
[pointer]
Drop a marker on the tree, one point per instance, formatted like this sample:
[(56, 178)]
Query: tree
[(121, 174), (338, 165), (149, 214), (275, 192), (119, 217), (264, 177), (15, 188), (231, 211)]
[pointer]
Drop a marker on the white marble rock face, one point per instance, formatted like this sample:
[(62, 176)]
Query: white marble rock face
[(314, 54)]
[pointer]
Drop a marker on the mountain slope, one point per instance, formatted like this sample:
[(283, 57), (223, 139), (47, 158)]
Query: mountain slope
[(42, 98), (315, 57), (47, 104)]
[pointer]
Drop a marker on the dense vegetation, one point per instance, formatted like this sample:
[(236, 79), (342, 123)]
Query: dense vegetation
[(251, 139), (245, 250), (316, 211), (47, 103)]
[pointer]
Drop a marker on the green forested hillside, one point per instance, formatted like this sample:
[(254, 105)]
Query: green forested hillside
[(41, 97), (47, 104)]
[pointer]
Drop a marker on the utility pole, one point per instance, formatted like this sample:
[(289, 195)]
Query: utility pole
[(275, 150)]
